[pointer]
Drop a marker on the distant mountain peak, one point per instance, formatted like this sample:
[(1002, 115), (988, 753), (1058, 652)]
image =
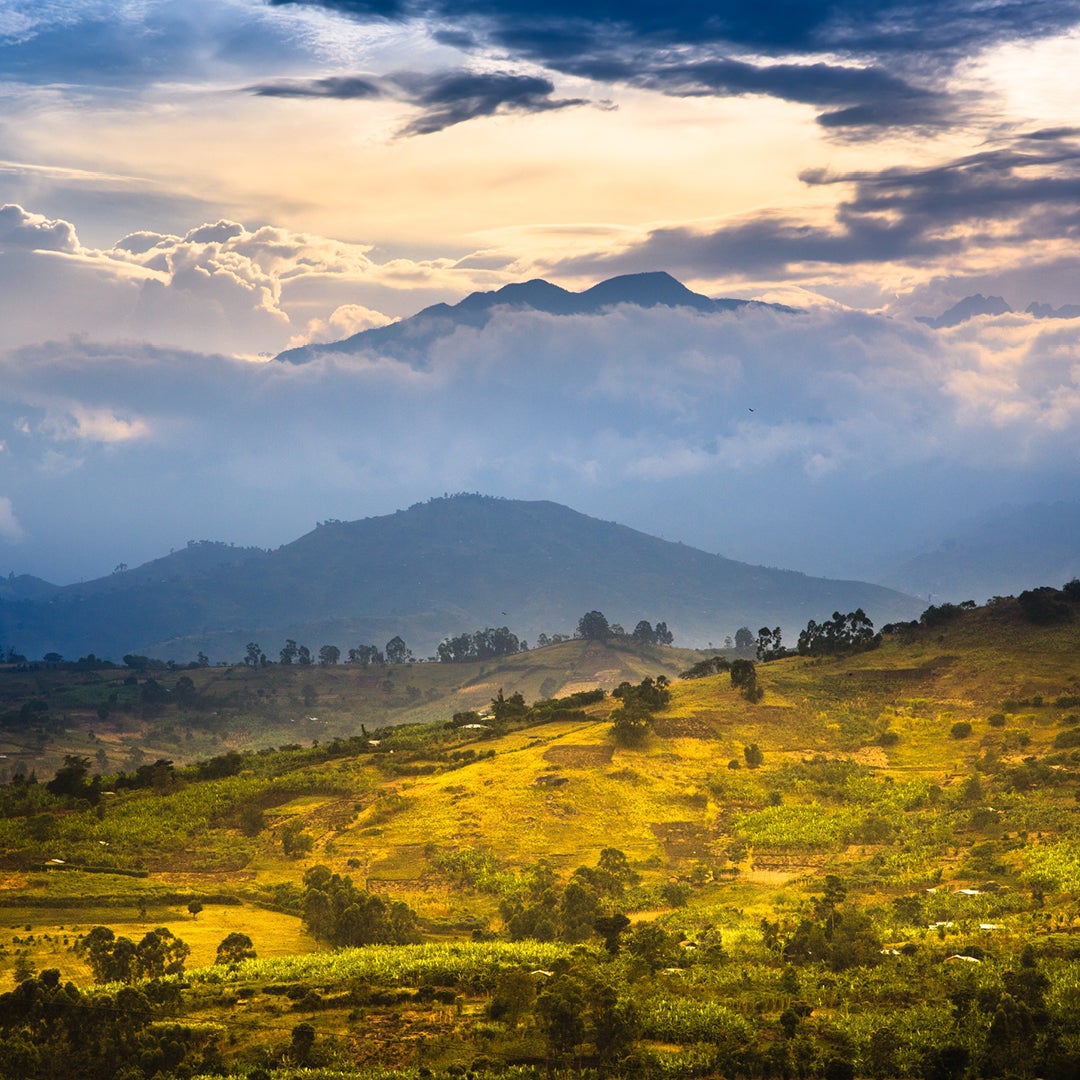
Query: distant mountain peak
[(410, 338), (968, 308)]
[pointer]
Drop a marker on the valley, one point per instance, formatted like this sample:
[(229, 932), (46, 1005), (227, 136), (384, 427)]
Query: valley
[(870, 870)]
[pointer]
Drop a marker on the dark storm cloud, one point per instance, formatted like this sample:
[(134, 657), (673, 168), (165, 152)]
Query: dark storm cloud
[(445, 98), (685, 48), (1014, 194), (794, 26), (452, 97)]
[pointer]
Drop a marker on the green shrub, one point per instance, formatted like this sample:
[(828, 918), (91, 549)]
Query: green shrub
[(960, 730)]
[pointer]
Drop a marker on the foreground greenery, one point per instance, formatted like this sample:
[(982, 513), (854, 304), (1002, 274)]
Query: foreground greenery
[(868, 866)]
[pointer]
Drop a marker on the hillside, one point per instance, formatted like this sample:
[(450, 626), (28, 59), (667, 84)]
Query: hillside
[(999, 554), (870, 872), (411, 339), (121, 717), (441, 568)]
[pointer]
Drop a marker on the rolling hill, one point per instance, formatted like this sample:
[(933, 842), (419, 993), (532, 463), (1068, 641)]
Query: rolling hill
[(438, 569), (872, 871)]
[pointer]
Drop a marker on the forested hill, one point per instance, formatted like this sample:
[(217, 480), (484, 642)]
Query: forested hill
[(435, 570)]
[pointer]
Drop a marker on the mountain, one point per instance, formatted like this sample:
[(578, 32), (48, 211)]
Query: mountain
[(438, 569), (1048, 311), (1001, 554), (972, 306), (410, 338), (968, 308)]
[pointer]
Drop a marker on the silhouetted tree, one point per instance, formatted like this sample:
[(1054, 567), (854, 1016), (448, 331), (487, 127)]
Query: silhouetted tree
[(397, 652), (593, 626)]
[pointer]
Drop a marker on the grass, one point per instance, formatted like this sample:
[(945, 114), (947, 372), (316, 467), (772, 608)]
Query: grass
[(941, 843)]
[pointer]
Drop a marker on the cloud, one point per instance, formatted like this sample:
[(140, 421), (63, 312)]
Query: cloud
[(967, 210), (103, 44), (446, 98), (219, 287), (338, 87), (20, 228), (700, 48), (619, 415), (10, 529)]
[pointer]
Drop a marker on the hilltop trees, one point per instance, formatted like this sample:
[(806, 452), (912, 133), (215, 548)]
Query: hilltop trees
[(593, 626), (397, 652), (366, 655), (769, 644), (852, 632), (480, 645)]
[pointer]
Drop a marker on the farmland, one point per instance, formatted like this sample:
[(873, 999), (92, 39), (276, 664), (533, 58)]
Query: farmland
[(870, 870)]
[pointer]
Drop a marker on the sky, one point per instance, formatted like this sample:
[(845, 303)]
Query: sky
[(188, 187)]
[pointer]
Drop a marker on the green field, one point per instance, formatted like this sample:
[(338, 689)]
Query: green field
[(873, 870)]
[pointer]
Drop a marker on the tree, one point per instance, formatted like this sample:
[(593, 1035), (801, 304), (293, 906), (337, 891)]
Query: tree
[(754, 756), (515, 992), (160, 953), (337, 912), (184, 692), (644, 633), (110, 958), (251, 657), (366, 655), (744, 638), (504, 709), (70, 779), (194, 908), (593, 626), (329, 655), (561, 1008), (234, 948), (769, 645), (289, 652), (294, 841), (303, 1039), (631, 723), (397, 652), (663, 635), (609, 927), (303, 656), (744, 677)]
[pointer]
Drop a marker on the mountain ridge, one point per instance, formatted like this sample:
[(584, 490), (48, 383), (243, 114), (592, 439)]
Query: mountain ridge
[(438, 569), (408, 338)]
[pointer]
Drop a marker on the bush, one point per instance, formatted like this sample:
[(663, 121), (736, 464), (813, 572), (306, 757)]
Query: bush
[(996, 720), (1065, 739), (960, 730)]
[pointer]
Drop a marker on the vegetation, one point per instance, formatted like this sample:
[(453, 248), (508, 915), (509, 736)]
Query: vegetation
[(865, 868)]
